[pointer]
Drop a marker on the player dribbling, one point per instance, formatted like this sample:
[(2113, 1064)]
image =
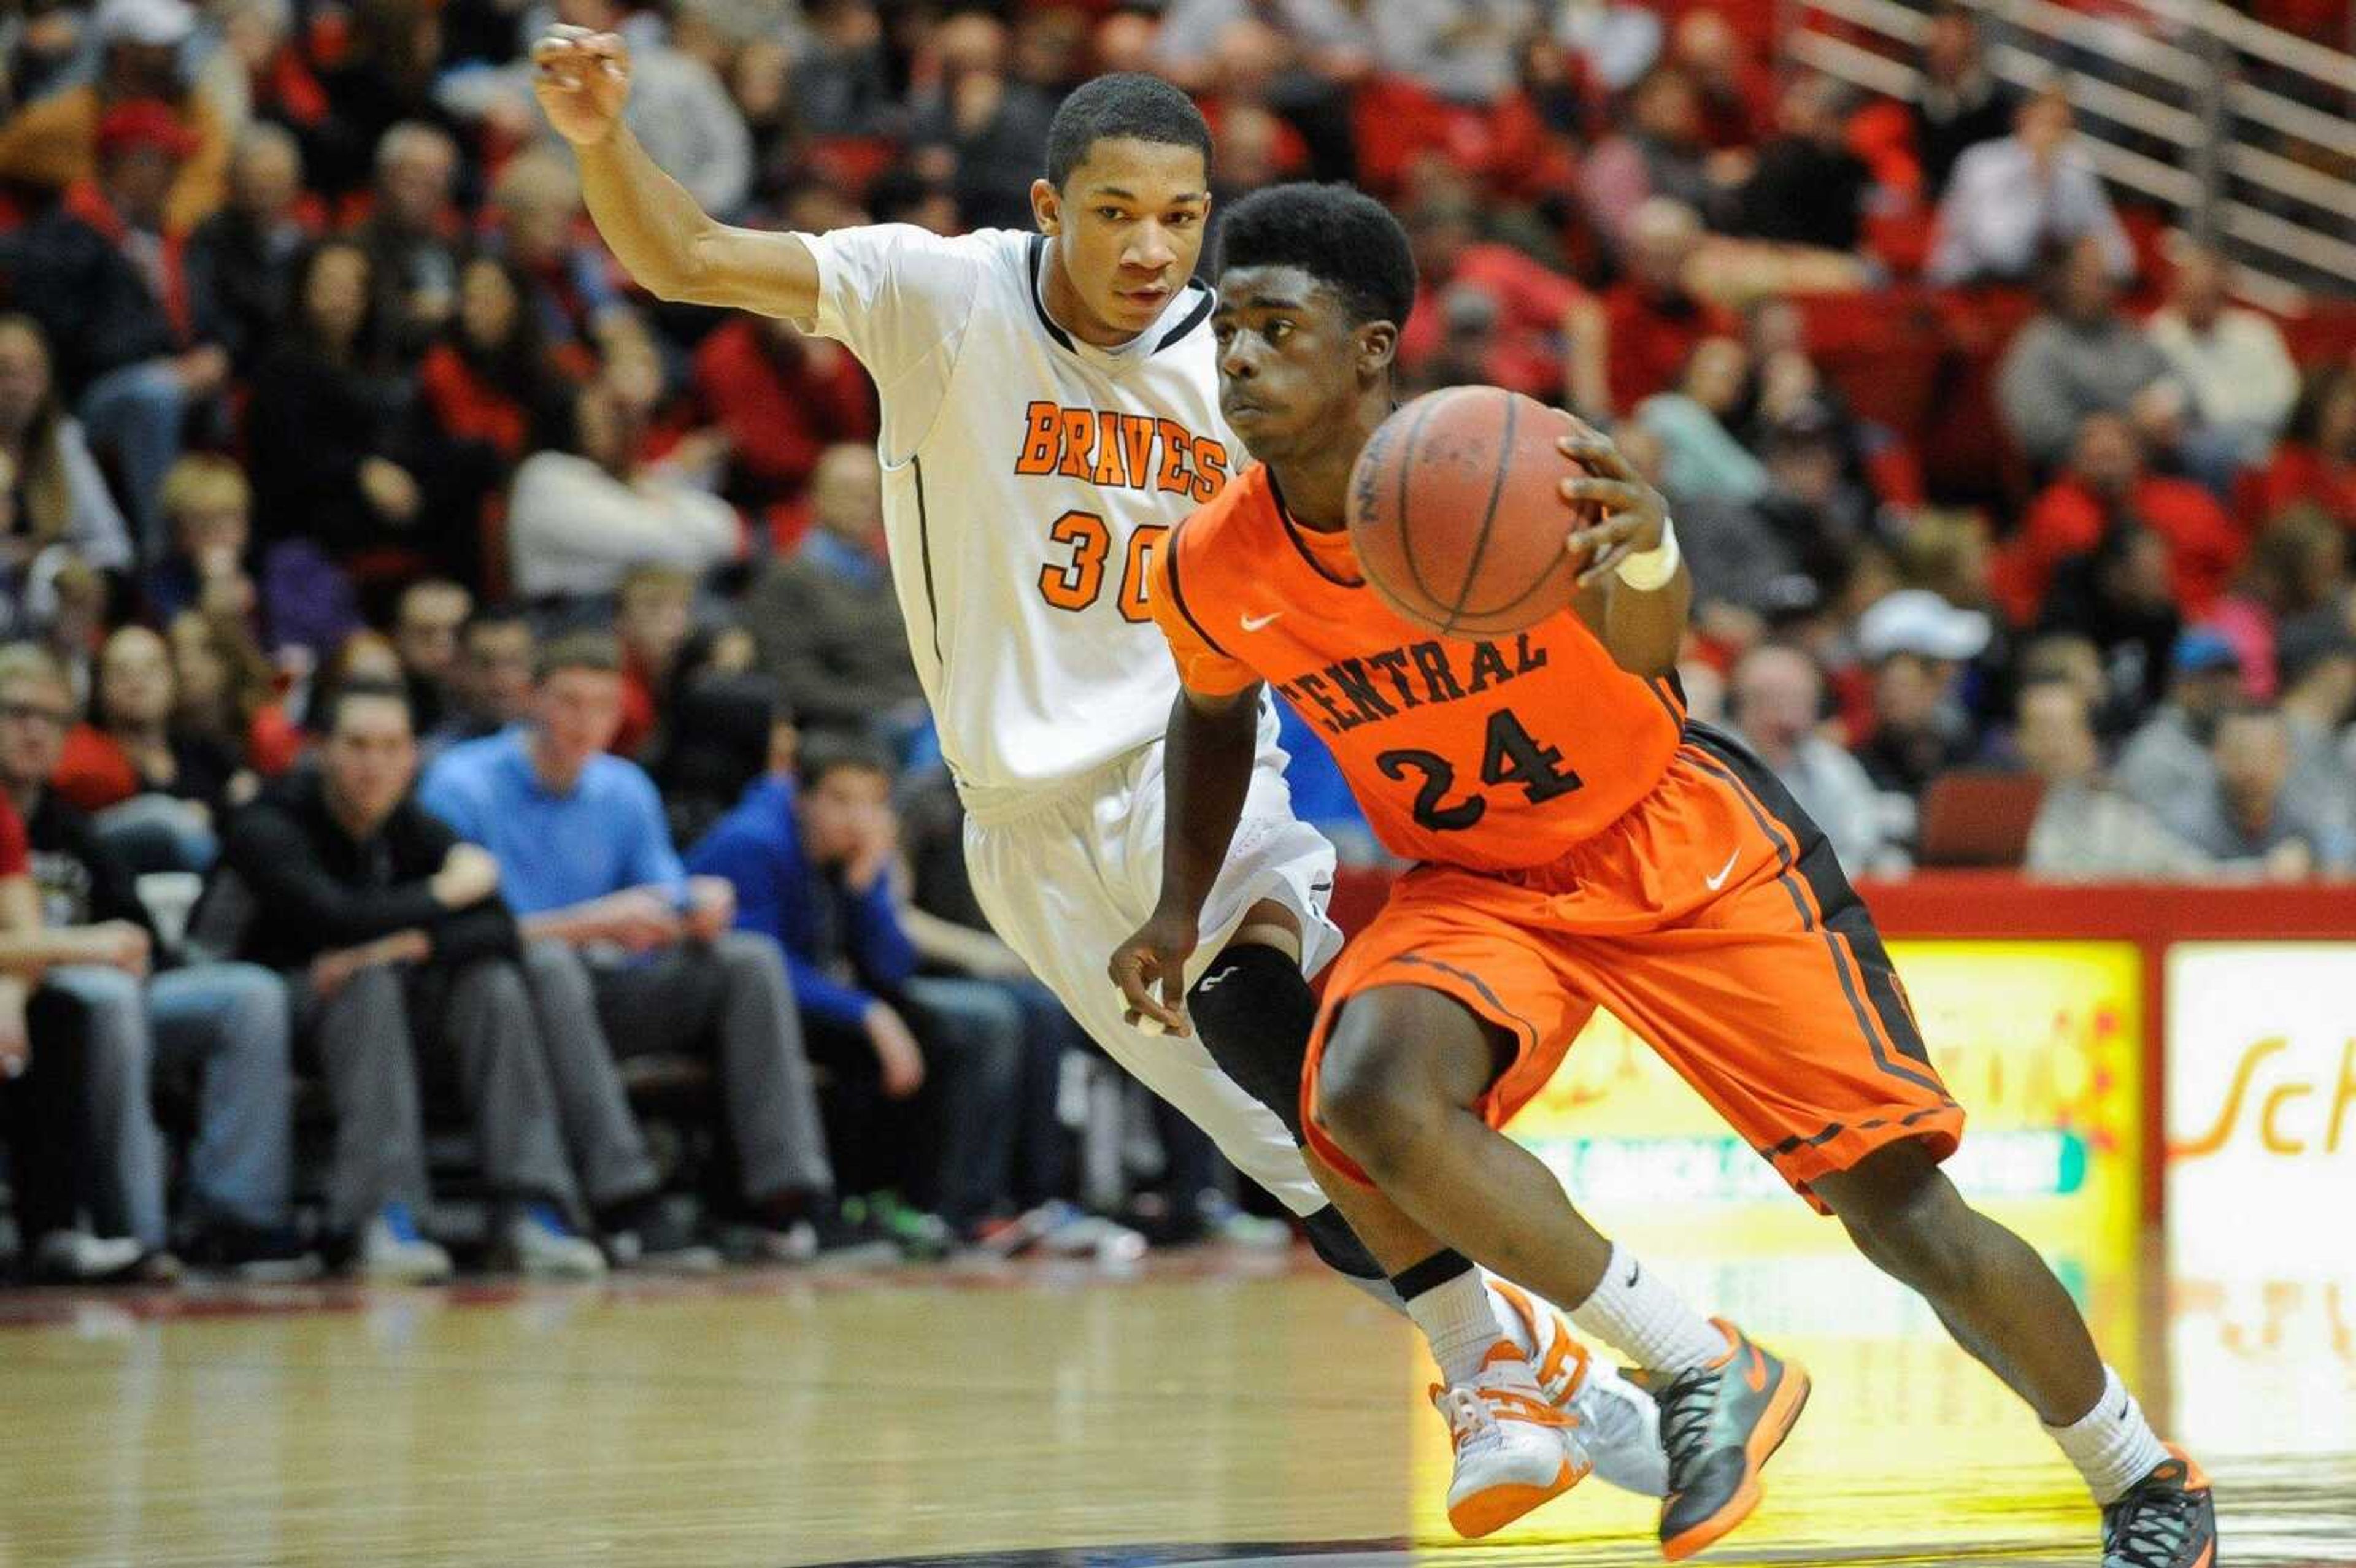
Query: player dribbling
[(1580, 843)]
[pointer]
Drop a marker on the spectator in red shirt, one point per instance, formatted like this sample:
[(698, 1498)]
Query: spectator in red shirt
[(1536, 313), (1249, 59), (1731, 89), (229, 695), (781, 398), (1654, 321), (260, 67), (2316, 461), (2106, 487), (159, 794), (488, 393), (135, 336)]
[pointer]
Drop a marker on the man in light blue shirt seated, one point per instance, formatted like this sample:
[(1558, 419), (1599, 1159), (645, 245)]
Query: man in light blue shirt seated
[(622, 941)]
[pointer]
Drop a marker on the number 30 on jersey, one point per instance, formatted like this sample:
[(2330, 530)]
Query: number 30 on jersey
[(1077, 581)]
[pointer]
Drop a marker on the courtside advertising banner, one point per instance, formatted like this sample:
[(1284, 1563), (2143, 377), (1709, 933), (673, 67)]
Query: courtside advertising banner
[(2261, 1121)]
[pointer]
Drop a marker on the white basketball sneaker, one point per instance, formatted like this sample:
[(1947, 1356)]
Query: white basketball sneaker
[(1514, 1447), (1619, 1422)]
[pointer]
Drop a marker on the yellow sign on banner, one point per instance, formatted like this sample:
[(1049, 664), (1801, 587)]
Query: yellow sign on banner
[(2041, 1042)]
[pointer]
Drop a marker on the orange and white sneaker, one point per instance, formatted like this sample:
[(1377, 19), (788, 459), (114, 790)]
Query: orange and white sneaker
[(1619, 1423), (1514, 1447)]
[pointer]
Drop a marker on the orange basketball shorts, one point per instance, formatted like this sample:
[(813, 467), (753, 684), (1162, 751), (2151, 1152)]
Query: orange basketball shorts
[(1711, 920)]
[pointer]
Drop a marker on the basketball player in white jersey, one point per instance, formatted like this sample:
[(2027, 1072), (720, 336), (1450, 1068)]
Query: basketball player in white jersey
[(1049, 412)]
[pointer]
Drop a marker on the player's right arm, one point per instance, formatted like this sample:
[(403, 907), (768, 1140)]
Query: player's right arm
[(1208, 755), (670, 245), (1212, 747)]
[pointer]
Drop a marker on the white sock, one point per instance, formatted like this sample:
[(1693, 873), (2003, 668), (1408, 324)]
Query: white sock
[(2111, 1444), (1636, 1313), (1459, 1324)]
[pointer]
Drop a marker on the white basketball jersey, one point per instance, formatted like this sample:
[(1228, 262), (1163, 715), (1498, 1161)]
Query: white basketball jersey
[(1028, 480)]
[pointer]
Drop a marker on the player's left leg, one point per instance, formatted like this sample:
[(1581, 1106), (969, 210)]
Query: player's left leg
[(2005, 1306), (1265, 932), (1793, 1023), (1255, 1012)]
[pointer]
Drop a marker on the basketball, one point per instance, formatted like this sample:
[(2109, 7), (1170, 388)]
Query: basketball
[(1454, 513)]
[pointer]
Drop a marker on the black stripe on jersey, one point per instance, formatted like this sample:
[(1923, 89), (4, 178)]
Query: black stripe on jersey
[(1868, 979), (1195, 318), (1292, 532), (925, 552), (1670, 695), (1178, 596), (1038, 303)]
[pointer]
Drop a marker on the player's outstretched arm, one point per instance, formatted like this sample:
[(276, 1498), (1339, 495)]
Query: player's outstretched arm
[(670, 245), (1206, 764)]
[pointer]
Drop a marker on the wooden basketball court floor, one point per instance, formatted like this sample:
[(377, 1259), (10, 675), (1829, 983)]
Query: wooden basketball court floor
[(1210, 1407)]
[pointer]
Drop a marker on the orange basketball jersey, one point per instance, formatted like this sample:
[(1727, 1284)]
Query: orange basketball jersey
[(1494, 754)]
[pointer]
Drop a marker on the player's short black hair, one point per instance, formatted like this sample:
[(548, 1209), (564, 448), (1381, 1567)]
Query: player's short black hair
[(1126, 103), (1337, 234)]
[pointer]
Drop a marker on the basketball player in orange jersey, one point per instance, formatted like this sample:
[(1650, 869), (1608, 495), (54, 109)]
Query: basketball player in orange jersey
[(1580, 843), (1049, 408)]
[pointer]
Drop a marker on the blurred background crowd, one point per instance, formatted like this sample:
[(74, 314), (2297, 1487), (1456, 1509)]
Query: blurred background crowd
[(457, 743)]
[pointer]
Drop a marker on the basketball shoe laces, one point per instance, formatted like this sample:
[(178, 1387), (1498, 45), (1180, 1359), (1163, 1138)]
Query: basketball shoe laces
[(1475, 1409), (2150, 1527), (1687, 1409)]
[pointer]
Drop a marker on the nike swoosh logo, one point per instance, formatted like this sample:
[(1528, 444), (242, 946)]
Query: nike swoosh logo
[(1755, 1374), (1256, 623), (1714, 883)]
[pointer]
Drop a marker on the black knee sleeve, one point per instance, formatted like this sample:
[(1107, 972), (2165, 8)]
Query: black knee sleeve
[(1339, 1248), (1254, 1011)]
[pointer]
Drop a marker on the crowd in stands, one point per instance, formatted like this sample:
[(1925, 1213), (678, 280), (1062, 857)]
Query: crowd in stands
[(454, 699)]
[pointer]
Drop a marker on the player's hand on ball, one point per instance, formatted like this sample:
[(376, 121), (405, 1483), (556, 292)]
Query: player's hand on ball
[(582, 79), (1155, 956), (1631, 514)]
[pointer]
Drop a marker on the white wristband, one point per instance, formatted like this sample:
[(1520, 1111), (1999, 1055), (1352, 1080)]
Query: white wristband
[(1653, 569)]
